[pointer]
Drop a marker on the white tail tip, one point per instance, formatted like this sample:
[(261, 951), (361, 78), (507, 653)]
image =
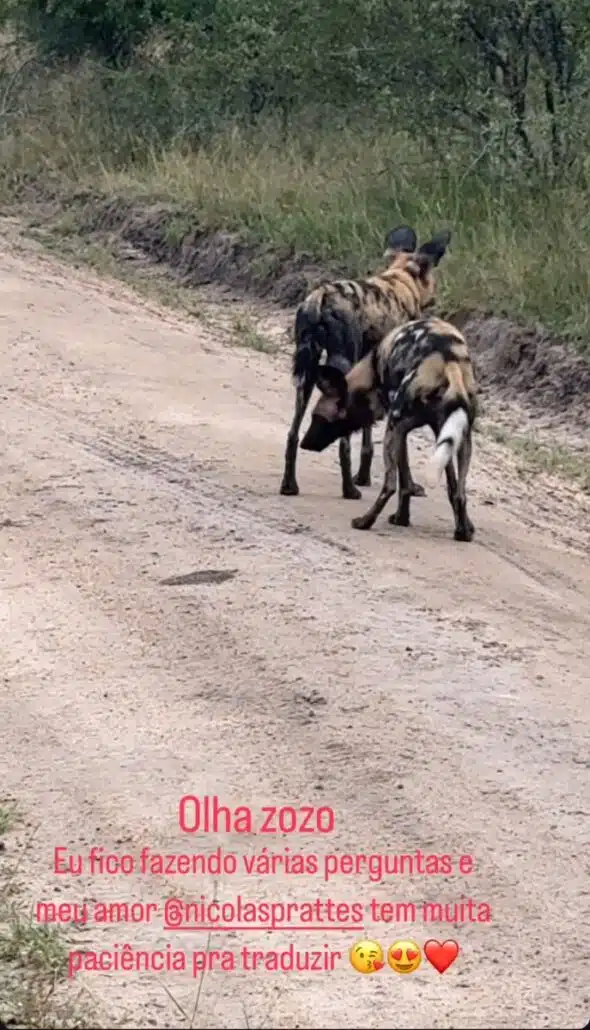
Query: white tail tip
[(438, 463), (450, 438)]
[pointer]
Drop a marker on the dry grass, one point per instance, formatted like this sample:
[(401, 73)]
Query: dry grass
[(518, 247), (336, 201)]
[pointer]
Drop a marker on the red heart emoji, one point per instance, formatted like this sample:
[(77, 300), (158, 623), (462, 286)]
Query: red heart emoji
[(411, 955), (378, 965), (441, 956), (397, 954)]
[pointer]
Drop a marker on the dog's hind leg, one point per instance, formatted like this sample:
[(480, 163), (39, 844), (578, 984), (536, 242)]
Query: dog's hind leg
[(414, 489), (305, 386), (464, 528), (407, 488), (363, 476)]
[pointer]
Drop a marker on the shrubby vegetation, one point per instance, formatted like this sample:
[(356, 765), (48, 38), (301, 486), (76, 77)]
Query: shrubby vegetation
[(317, 124)]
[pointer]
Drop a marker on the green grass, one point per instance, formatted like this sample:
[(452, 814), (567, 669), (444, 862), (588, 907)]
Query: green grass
[(245, 334), (536, 456), (519, 247), (33, 956), (8, 817), (31, 945)]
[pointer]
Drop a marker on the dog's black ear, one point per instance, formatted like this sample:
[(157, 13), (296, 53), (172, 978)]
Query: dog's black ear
[(332, 383), (401, 239), (436, 248)]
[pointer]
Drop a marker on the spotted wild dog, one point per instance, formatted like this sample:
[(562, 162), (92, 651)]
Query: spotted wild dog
[(346, 319), (419, 375)]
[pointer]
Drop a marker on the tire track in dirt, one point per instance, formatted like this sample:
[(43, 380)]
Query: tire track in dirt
[(195, 477)]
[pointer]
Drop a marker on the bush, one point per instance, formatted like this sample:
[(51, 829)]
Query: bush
[(109, 29)]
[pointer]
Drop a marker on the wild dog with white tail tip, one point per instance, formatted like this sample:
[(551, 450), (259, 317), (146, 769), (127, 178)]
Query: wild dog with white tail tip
[(420, 374)]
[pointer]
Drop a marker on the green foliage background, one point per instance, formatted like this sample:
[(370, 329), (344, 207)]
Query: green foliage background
[(316, 124)]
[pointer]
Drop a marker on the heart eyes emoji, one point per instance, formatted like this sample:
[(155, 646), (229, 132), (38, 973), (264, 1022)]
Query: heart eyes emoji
[(404, 957)]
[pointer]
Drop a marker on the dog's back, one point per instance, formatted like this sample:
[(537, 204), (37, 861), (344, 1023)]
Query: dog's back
[(348, 317), (425, 367)]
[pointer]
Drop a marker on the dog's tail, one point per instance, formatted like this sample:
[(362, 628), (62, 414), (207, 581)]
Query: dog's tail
[(448, 442), (456, 404), (310, 339)]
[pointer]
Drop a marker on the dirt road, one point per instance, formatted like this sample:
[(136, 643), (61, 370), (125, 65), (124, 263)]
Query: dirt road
[(434, 695)]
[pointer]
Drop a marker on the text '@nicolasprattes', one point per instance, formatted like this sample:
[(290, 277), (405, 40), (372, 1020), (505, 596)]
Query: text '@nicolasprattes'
[(208, 815)]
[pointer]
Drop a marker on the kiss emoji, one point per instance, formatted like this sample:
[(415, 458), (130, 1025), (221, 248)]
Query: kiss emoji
[(366, 957)]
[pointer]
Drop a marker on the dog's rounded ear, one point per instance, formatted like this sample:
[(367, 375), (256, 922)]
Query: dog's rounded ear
[(332, 382), (401, 239), (433, 251)]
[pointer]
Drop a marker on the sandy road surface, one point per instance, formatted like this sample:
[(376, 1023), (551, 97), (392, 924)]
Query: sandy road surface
[(435, 695)]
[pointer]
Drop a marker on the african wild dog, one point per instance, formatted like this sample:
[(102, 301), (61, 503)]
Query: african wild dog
[(346, 319), (420, 374)]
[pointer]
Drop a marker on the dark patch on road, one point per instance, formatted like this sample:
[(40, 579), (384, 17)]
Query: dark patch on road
[(312, 698), (198, 577)]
